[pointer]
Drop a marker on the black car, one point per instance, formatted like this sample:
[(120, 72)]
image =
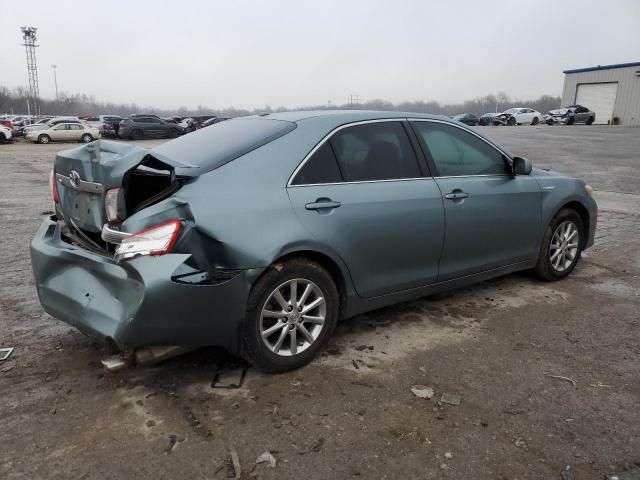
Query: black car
[(140, 126), (467, 118), (486, 119)]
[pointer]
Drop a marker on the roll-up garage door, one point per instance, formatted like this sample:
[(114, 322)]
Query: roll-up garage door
[(599, 97)]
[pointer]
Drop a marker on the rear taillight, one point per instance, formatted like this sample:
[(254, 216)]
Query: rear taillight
[(156, 240), (114, 205), (54, 187)]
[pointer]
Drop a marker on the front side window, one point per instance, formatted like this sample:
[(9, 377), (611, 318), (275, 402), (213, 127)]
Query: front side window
[(375, 151), (457, 152)]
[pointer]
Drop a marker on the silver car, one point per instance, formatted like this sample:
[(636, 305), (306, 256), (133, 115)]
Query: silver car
[(259, 234)]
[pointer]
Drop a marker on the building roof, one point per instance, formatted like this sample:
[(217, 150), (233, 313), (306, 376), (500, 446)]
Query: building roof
[(603, 67)]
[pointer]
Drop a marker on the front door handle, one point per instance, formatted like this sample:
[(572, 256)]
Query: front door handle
[(322, 204), (456, 195)]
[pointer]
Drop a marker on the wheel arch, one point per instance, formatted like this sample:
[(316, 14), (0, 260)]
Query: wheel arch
[(338, 272), (581, 210)]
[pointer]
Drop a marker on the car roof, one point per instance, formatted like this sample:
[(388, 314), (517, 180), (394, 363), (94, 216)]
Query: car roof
[(344, 116)]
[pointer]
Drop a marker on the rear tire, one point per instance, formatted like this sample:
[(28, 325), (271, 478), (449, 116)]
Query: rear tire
[(136, 134), (44, 139), (274, 353), (86, 138), (590, 120), (561, 246)]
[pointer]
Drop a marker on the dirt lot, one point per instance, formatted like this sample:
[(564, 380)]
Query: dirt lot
[(504, 346)]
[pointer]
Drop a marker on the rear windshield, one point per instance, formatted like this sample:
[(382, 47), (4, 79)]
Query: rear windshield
[(223, 142)]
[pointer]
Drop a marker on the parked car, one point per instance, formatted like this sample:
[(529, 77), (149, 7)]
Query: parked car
[(65, 132), (518, 116), (570, 115), (111, 126), (486, 119), (7, 123), (137, 127), (258, 233), (6, 134), (40, 124), (49, 123), (467, 118), (99, 121)]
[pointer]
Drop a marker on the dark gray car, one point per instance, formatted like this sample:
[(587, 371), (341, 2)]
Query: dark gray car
[(259, 233), (570, 115), (136, 127)]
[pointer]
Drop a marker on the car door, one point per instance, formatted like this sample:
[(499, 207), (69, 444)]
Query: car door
[(364, 195), (60, 132), (581, 115), (75, 131), (492, 216)]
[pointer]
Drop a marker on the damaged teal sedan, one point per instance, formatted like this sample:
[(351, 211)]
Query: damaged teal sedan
[(259, 233)]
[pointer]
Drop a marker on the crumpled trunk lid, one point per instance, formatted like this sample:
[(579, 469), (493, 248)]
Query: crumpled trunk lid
[(84, 174)]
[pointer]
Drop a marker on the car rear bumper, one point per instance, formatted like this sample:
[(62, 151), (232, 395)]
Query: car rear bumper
[(136, 303)]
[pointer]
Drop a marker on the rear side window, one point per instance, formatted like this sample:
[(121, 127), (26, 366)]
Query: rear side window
[(221, 143), (321, 167), (375, 151), (457, 152)]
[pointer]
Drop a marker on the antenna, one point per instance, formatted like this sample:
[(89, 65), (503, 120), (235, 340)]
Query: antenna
[(29, 37)]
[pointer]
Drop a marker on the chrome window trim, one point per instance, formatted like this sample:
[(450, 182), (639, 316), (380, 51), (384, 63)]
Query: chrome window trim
[(379, 120), (361, 181), (83, 185), (326, 137)]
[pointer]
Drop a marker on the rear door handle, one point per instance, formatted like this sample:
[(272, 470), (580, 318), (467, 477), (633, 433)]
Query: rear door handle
[(322, 204), (456, 195)]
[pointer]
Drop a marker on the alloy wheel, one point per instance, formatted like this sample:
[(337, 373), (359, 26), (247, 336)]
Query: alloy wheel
[(564, 246), (293, 316)]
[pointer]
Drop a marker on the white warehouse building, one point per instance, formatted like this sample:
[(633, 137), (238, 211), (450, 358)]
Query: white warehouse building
[(611, 91)]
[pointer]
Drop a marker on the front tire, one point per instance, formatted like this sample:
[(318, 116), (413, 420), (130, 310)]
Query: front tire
[(561, 246), (291, 313), (511, 121), (535, 121), (589, 120), (173, 133), (44, 139)]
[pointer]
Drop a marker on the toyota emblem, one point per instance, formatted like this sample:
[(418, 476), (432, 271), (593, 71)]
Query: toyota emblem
[(74, 178)]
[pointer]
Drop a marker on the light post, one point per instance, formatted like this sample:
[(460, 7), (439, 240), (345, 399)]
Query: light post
[(55, 79)]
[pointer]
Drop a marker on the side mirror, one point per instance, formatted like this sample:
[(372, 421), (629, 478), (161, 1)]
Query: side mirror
[(521, 166)]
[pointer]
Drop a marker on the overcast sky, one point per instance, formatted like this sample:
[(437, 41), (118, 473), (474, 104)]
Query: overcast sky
[(295, 53)]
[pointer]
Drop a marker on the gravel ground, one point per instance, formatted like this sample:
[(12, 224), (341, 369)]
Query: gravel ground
[(548, 373)]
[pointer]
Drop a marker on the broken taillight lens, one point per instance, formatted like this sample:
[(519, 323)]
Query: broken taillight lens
[(156, 240), (54, 187)]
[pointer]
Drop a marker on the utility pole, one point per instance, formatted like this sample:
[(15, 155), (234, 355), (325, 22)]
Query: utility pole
[(29, 37), (55, 79)]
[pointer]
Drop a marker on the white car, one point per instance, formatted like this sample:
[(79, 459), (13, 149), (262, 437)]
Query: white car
[(518, 116), (65, 132), (5, 134), (49, 123)]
